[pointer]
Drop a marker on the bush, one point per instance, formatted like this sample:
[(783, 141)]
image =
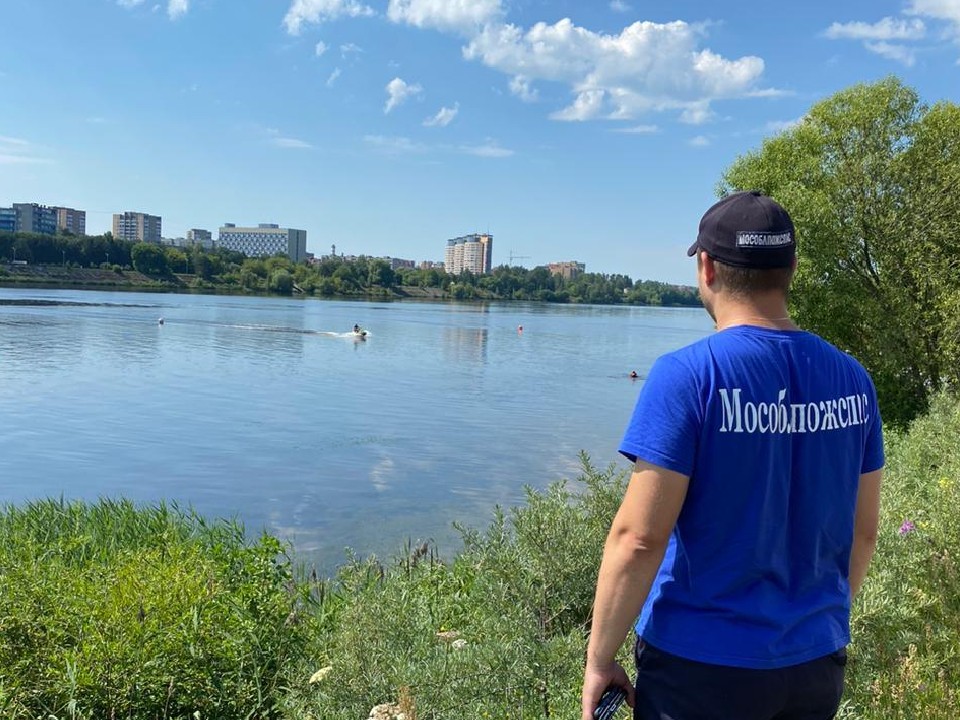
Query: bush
[(112, 611), (905, 655), (281, 281), (498, 632)]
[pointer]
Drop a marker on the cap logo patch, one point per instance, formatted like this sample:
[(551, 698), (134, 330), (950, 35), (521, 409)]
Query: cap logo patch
[(752, 238)]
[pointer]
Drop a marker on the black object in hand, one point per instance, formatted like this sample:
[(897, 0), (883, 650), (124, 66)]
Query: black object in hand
[(610, 702)]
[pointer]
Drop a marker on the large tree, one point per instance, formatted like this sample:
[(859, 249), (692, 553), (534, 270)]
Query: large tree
[(871, 177)]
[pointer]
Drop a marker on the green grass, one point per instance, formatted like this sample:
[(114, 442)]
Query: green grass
[(109, 610)]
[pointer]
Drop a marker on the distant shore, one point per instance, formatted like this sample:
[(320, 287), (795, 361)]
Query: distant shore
[(115, 278)]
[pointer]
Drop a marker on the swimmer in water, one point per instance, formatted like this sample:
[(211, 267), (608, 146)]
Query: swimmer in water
[(633, 375)]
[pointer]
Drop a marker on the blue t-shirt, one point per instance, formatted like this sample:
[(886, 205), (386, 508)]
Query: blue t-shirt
[(774, 429)]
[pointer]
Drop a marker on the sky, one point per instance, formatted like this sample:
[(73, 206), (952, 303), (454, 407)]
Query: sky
[(594, 130)]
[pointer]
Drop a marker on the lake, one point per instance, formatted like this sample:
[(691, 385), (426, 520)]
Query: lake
[(270, 411)]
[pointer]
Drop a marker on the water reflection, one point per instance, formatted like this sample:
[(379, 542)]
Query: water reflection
[(462, 344)]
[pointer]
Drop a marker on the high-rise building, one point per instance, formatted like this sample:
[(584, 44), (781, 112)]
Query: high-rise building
[(34, 218), (568, 269), (264, 240), (136, 227), (8, 219), (73, 221), (203, 238), (471, 252)]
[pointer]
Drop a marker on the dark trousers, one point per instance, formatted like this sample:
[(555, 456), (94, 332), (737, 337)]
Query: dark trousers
[(674, 688)]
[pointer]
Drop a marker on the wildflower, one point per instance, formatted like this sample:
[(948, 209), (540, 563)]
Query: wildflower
[(944, 483), (321, 674), (907, 528)]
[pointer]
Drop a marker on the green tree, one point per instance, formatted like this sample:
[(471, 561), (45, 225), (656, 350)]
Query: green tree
[(281, 281), (380, 273), (870, 177), (149, 259), (177, 260)]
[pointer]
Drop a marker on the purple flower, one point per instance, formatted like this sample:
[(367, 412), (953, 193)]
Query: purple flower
[(907, 528)]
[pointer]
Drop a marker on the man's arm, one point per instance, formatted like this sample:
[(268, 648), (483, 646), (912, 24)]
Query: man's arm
[(866, 521), (631, 557)]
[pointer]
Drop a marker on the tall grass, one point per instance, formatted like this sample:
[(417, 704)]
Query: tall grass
[(110, 611), (115, 611), (905, 655)]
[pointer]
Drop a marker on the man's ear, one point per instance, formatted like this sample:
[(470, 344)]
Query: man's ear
[(709, 268)]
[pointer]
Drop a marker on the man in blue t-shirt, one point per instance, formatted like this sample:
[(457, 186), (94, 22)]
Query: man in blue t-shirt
[(751, 515)]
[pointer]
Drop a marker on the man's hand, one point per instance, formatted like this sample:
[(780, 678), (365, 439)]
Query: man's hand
[(598, 679)]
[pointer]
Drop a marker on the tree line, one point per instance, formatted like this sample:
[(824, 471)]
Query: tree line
[(335, 276)]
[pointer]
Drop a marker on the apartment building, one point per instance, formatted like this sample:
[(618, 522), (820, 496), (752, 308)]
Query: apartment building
[(203, 238), (34, 218), (264, 240), (568, 269), (8, 219), (137, 227), (72, 221), (470, 252)]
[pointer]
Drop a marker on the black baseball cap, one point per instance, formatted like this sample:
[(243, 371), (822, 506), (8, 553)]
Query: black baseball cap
[(749, 230)]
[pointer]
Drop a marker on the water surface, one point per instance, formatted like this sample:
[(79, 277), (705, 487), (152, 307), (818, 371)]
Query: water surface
[(269, 410)]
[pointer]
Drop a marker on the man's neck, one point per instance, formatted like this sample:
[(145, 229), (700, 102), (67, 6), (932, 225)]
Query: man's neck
[(768, 312)]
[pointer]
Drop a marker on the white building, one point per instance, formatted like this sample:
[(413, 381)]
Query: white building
[(470, 252), (264, 240)]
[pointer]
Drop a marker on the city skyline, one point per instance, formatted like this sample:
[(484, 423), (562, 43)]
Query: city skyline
[(587, 131)]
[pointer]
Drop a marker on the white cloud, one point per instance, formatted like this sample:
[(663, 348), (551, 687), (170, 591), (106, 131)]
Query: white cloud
[(394, 145), (489, 149), (320, 48), (638, 129), (177, 8), (647, 67), (277, 140), (349, 49), (778, 126), (699, 141), (520, 86), (886, 29), (398, 91), (697, 114), (16, 151), (318, 11), (948, 10), (333, 77), (398, 145), (458, 15), (587, 105), (443, 117), (944, 10), (900, 53), (285, 142), (619, 6)]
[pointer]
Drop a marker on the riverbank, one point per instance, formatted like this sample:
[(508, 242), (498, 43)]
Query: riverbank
[(110, 610), (117, 278)]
